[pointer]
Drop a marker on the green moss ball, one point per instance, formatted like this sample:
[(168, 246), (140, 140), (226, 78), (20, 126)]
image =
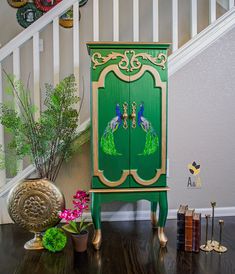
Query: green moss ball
[(54, 239)]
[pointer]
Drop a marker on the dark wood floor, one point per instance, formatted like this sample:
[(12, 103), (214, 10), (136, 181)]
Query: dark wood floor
[(128, 247)]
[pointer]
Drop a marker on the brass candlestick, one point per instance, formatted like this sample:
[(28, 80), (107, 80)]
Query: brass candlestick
[(206, 247), (212, 242), (220, 248)]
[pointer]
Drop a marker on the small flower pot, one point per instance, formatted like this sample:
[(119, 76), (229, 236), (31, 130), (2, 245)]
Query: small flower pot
[(80, 241)]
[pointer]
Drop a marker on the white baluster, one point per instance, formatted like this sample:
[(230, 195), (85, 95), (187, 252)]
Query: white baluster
[(231, 4), (212, 11), (56, 51), (155, 21), (193, 18), (96, 20), (174, 25), (16, 73), (36, 75), (16, 63), (115, 20), (16, 70), (2, 171), (76, 44), (136, 20)]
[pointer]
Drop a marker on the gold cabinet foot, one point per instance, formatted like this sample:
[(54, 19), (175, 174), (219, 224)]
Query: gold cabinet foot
[(162, 237), (154, 219), (97, 239)]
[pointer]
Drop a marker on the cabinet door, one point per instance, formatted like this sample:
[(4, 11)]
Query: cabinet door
[(111, 159), (148, 138)]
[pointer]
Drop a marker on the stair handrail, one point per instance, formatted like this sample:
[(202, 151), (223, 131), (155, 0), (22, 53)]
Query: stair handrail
[(201, 41), (37, 26)]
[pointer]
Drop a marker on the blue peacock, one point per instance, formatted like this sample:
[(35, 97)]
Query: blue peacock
[(107, 139), (151, 139)]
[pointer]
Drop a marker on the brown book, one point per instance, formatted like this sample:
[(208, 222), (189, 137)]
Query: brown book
[(189, 230), (196, 232), (181, 227)]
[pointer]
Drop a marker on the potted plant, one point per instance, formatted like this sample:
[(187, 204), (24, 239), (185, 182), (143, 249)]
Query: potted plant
[(77, 230), (47, 141)]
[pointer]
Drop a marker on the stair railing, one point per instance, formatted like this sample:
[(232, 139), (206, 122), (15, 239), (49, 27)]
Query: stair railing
[(33, 32)]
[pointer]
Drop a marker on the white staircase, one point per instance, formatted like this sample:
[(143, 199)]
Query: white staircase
[(179, 57)]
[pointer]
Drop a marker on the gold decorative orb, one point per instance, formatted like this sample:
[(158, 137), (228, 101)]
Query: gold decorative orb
[(34, 204)]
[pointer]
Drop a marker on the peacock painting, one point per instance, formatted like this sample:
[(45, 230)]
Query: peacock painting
[(151, 138), (107, 139)]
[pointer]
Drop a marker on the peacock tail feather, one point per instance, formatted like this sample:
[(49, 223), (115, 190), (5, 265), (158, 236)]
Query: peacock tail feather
[(151, 142), (107, 142)]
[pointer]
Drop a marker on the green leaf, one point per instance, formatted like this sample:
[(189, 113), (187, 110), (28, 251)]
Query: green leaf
[(81, 224), (74, 225), (69, 228), (46, 141), (85, 226)]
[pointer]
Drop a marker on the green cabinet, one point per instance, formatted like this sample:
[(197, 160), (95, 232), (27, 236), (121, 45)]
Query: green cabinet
[(129, 126)]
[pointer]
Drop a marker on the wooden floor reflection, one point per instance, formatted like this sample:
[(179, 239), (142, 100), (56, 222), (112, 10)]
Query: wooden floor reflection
[(128, 247)]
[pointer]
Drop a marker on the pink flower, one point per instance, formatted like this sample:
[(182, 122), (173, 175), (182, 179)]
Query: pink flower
[(80, 205), (81, 194), (80, 202), (69, 215)]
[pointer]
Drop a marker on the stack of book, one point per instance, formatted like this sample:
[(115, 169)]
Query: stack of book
[(188, 229)]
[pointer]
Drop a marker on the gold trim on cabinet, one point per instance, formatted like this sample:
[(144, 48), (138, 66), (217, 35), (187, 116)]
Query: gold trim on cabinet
[(100, 84), (97, 172), (159, 189), (126, 43), (123, 64), (107, 182), (129, 59), (142, 182)]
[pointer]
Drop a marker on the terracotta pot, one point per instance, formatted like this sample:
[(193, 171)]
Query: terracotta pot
[(80, 241)]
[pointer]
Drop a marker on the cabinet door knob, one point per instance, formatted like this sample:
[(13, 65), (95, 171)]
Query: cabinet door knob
[(133, 115), (125, 115)]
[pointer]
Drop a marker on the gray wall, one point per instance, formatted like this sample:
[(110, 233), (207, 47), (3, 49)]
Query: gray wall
[(201, 126)]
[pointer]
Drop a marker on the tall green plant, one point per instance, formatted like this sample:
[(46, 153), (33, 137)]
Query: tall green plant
[(46, 140)]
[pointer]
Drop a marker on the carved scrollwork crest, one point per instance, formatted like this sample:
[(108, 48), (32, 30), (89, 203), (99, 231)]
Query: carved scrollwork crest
[(129, 60)]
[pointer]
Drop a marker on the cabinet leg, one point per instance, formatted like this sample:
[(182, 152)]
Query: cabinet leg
[(163, 211), (95, 212), (97, 239), (153, 214)]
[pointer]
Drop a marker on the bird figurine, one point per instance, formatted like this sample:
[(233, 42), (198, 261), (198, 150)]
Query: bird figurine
[(107, 139), (151, 139)]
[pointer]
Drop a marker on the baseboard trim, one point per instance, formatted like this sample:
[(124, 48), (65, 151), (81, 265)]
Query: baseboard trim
[(113, 216), (144, 215)]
